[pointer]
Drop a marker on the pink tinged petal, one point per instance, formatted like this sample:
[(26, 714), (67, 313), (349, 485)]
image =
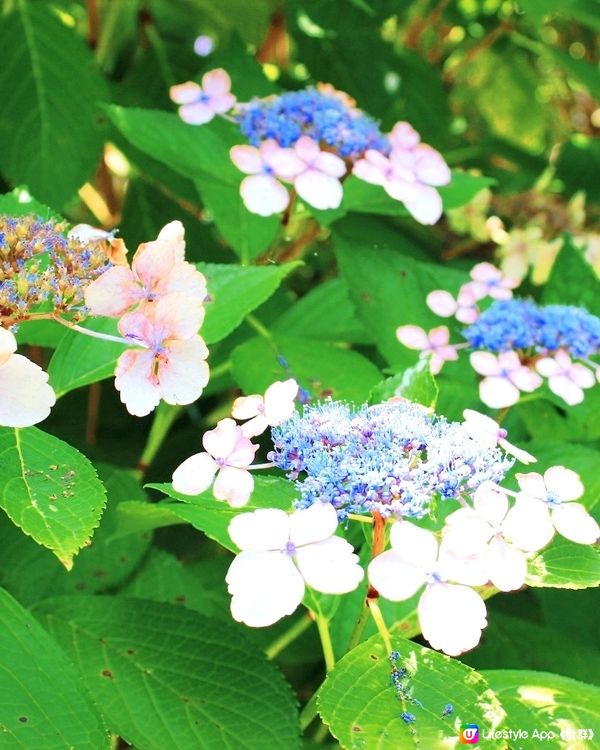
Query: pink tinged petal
[(564, 483), (532, 484), (368, 172), (313, 524), (8, 345), (566, 389), (153, 261), (583, 377), (234, 486), (222, 441), (467, 315), (135, 380), (196, 114), (263, 529), (265, 587), (113, 293), (330, 164), (442, 303), (247, 159), (426, 207), (307, 149), (319, 189), (279, 401), (525, 379), (416, 546), (255, 426), (178, 316), (430, 166), (403, 135), (195, 474), (246, 407), (466, 533), (452, 617), (139, 328), (183, 278), (26, 398), (185, 93), (174, 234), (470, 570), (507, 565), (412, 337), (574, 522), (485, 273), (284, 161), (439, 337), (547, 367), (497, 392), (263, 195), (243, 452), (528, 524), (184, 374), (436, 363), (394, 578), (216, 82), (491, 502), (222, 103), (330, 566)]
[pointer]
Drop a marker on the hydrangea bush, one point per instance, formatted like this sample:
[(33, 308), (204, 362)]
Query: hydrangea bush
[(293, 451)]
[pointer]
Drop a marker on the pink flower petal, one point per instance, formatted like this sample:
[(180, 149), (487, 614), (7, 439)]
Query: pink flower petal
[(185, 93), (566, 389), (263, 195), (26, 396), (174, 234), (365, 170), (177, 316), (284, 161), (319, 190), (525, 379), (307, 149), (234, 486), (222, 441), (197, 113), (222, 103), (184, 374), (135, 380), (113, 293), (195, 474), (485, 363), (184, 278), (497, 392), (442, 303), (581, 376), (403, 135), (330, 566), (547, 367), (430, 166), (216, 82), (246, 158), (246, 407), (412, 337), (152, 262), (330, 164), (439, 336)]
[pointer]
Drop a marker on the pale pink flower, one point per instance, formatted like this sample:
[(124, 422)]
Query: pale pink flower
[(463, 308), (435, 343), (548, 501), (201, 103), (158, 268), (428, 165), (269, 410), (505, 378), (489, 281), (487, 432), (25, 396), (228, 454), (261, 191), (403, 135), (566, 379), (451, 615), (317, 180), (171, 366), (280, 554)]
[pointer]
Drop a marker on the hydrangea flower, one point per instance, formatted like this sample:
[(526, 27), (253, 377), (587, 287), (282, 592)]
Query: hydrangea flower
[(317, 181), (25, 396), (281, 554), (463, 308), (504, 378), (436, 343), (487, 431), (199, 104), (228, 454), (489, 281), (270, 410), (566, 379), (451, 614), (548, 500)]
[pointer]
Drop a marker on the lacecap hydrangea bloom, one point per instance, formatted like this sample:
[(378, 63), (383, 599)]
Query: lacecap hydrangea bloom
[(514, 343), (312, 140)]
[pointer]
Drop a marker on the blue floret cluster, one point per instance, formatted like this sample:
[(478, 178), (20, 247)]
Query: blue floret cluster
[(521, 324), (326, 118), (394, 458)]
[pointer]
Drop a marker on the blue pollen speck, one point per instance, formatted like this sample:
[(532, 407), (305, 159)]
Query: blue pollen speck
[(408, 718)]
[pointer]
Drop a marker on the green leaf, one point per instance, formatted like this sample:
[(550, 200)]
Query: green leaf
[(42, 704), (167, 677), (54, 144), (416, 384), (50, 490), (31, 573), (572, 281), (388, 289), (463, 188), (234, 291), (361, 708), (20, 203), (565, 564), (320, 368), (80, 360), (547, 703)]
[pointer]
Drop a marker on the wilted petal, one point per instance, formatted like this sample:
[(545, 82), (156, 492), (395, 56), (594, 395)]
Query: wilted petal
[(265, 587), (452, 617), (330, 566), (318, 189), (26, 398), (507, 565), (394, 578), (264, 195), (574, 522), (313, 524), (195, 474), (234, 486), (263, 529)]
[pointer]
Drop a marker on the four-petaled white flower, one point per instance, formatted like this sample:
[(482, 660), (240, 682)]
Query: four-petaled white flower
[(566, 379), (25, 396), (464, 307), (199, 104), (489, 281), (451, 615), (548, 500), (488, 433), (317, 178), (434, 342), (280, 553), (505, 377), (228, 454), (269, 410)]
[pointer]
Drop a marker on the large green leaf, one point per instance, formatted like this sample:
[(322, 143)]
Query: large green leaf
[(234, 291), (361, 708), (167, 677), (572, 281), (565, 564), (49, 134), (322, 369), (416, 384), (542, 702), (50, 490), (42, 704), (20, 202)]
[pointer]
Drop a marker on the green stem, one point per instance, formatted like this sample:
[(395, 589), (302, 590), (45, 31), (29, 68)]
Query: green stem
[(381, 626), (219, 370), (359, 627), (161, 56), (326, 644), (258, 327), (164, 417), (309, 712), (290, 635)]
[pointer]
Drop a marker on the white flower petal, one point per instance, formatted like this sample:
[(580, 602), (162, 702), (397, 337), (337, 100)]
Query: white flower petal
[(246, 407), (491, 502), (413, 337), (330, 566), (195, 474), (574, 522), (414, 545), (25, 396), (393, 578), (313, 524), (485, 363), (528, 524), (234, 486), (442, 303), (319, 189), (452, 617), (279, 401), (564, 483), (507, 565), (566, 389), (263, 529), (498, 392), (532, 484), (264, 195), (466, 532), (472, 570), (246, 158)]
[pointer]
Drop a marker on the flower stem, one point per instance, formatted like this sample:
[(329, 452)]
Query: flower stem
[(309, 712), (96, 334), (289, 636), (164, 417), (255, 323), (326, 644), (381, 626), (359, 627)]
